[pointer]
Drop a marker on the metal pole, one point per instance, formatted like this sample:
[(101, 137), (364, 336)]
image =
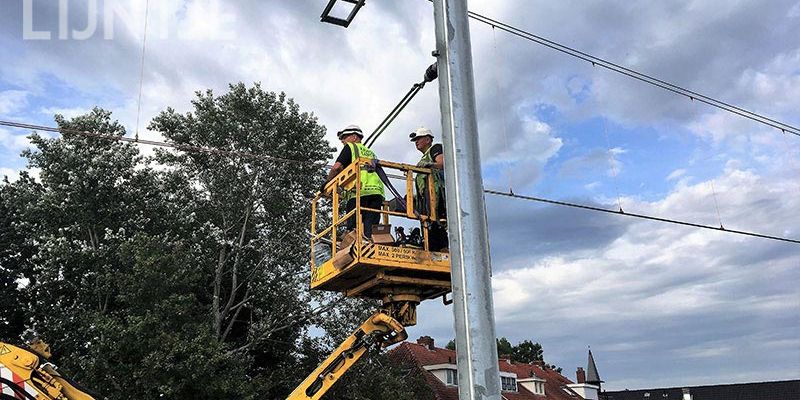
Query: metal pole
[(478, 375)]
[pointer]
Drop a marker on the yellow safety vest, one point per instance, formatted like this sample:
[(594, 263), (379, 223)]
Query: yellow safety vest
[(370, 181), (421, 180)]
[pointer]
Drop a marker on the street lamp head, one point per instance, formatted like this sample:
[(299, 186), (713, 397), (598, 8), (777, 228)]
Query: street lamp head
[(345, 22)]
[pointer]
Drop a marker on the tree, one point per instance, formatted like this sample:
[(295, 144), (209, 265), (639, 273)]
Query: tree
[(524, 352), (527, 352), (183, 280), (504, 347), (76, 217), (135, 268), (15, 266), (256, 213)]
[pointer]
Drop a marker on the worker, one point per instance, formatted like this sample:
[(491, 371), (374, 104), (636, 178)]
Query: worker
[(371, 185), (433, 158)]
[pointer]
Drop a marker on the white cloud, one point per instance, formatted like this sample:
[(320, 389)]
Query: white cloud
[(13, 142), (68, 113), (617, 151), (209, 19), (521, 156), (794, 12), (12, 101), (9, 173), (665, 275), (678, 173)]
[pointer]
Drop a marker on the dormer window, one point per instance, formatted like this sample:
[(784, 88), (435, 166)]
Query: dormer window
[(452, 377), (447, 373), (509, 384), (534, 384)]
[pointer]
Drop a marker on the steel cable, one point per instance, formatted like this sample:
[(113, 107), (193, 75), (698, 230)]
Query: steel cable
[(641, 216), (198, 149), (597, 61)]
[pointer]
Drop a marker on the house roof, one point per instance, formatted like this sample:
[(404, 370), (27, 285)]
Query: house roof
[(413, 355), (422, 356), (779, 390), (592, 377)]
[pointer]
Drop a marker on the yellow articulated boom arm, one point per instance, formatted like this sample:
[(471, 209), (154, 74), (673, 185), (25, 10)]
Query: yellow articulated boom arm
[(23, 375), (380, 329)]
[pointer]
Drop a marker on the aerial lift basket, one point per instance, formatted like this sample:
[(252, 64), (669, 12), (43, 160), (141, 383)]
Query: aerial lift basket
[(376, 267)]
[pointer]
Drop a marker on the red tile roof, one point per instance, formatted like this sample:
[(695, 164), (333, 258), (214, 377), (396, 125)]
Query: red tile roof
[(421, 356)]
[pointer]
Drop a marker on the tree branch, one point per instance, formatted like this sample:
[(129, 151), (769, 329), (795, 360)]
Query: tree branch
[(238, 308)]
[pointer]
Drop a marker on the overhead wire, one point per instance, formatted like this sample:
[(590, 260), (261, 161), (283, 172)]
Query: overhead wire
[(141, 68), (649, 79), (199, 149), (640, 216), (692, 95), (431, 73), (177, 146), (370, 140)]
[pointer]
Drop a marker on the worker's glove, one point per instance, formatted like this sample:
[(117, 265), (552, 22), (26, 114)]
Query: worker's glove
[(426, 164)]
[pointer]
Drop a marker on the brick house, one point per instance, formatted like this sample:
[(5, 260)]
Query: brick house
[(519, 381)]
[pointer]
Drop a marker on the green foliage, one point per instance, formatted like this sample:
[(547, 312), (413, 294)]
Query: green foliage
[(524, 352), (527, 352), (114, 285), (15, 254), (183, 275), (254, 214), (504, 347)]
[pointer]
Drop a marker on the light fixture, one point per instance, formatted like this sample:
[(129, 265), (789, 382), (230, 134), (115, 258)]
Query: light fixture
[(345, 22)]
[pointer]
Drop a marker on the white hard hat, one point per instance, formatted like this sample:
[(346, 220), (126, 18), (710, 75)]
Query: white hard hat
[(350, 130), (420, 132)]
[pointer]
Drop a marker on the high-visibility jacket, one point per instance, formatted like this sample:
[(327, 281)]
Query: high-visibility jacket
[(421, 183), (370, 181)]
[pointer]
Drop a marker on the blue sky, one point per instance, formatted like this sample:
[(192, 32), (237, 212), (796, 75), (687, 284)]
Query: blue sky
[(660, 305)]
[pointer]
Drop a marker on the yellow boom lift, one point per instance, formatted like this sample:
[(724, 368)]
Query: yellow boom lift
[(25, 374), (400, 275)]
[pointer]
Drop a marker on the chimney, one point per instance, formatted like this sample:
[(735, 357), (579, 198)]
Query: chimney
[(426, 341), (580, 375), (686, 394)]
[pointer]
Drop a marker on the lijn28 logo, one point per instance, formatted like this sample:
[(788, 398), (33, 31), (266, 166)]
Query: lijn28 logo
[(165, 18)]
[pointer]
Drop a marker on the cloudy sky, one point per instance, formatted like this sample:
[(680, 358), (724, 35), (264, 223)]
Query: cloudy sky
[(660, 305)]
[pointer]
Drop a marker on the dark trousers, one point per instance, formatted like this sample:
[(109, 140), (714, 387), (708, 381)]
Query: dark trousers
[(437, 237), (368, 218), (437, 234)]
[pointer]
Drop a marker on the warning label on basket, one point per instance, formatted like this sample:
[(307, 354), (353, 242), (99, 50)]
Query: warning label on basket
[(401, 254), (409, 255)]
